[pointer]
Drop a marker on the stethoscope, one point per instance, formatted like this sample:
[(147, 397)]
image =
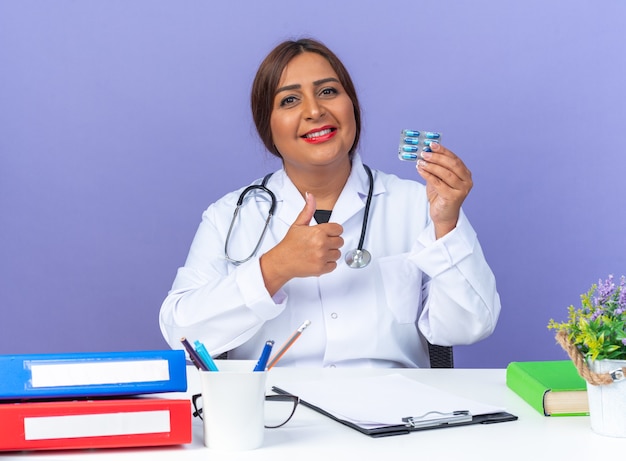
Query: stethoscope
[(355, 259)]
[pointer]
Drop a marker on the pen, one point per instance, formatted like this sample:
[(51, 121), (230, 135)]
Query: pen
[(265, 355), (205, 356), (193, 355), (288, 344)]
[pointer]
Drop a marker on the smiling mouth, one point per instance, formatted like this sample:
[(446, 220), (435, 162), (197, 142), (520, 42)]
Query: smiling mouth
[(319, 136)]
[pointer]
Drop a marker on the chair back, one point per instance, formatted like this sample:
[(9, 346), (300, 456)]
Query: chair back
[(440, 356)]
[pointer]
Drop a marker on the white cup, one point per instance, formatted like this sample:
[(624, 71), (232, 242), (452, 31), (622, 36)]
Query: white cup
[(233, 401)]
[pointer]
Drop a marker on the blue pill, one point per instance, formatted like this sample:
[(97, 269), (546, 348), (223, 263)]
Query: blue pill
[(411, 133), (410, 148), (427, 149), (432, 135), (409, 157), (414, 141)]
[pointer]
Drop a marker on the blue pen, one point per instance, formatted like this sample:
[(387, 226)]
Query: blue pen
[(204, 355), (265, 355)]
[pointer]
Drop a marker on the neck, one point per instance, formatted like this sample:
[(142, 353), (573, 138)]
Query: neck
[(325, 183)]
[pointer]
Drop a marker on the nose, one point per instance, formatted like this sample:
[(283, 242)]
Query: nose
[(312, 109)]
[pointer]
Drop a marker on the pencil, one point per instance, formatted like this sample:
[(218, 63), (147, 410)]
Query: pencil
[(288, 344)]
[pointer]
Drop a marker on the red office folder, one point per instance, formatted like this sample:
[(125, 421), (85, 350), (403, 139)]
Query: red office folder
[(102, 423)]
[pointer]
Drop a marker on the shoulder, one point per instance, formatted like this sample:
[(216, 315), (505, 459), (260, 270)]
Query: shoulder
[(228, 202)]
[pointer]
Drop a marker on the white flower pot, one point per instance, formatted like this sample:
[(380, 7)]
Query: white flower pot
[(607, 402)]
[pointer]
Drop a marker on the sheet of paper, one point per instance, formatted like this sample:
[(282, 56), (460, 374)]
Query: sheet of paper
[(382, 400)]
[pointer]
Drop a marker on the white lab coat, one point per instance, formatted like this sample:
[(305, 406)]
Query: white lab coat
[(415, 288)]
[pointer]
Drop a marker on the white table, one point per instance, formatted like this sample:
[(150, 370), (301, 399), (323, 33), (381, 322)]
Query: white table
[(310, 435)]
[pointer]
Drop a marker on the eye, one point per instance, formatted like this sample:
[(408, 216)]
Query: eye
[(288, 101), (329, 91)]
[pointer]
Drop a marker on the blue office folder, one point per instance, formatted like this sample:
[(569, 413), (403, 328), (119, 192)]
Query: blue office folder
[(85, 374)]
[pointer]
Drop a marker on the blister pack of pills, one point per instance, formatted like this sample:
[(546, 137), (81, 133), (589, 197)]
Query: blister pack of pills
[(413, 143)]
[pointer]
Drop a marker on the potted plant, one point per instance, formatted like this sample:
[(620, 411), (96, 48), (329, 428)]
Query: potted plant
[(594, 336)]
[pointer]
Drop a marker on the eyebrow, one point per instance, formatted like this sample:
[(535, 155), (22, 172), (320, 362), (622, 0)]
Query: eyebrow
[(315, 83)]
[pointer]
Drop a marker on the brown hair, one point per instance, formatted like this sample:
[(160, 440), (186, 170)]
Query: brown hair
[(269, 73)]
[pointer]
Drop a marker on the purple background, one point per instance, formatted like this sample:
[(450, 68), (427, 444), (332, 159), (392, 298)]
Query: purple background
[(120, 121)]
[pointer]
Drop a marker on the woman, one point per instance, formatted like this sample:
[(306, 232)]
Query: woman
[(427, 279)]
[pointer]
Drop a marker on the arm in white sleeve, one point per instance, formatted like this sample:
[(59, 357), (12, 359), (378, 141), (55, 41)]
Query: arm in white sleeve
[(462, 304), (213, 301)]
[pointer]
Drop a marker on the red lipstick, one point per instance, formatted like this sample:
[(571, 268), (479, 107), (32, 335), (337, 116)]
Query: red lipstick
[(319, 135)]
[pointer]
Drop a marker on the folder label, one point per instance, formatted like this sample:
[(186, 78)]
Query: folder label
[(58, 374), (96, 425)]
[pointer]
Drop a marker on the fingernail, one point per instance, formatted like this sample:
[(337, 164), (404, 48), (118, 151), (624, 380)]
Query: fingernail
[(420, 164), (434, 145), (427, 155)]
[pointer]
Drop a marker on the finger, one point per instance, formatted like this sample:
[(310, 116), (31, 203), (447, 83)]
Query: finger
[(305, 216), (333, 256), (436, 175), (331, 229), (319, 243), (438, 155), (334, 243), (448, 187), (444, 165), (442, 153), (328, 267)]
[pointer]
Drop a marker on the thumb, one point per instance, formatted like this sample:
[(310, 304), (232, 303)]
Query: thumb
[(305, 216)]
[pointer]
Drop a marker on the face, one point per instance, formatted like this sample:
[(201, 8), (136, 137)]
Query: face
[(312, 119)]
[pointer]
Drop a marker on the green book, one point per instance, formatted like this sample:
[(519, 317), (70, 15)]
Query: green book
[(553, 388)]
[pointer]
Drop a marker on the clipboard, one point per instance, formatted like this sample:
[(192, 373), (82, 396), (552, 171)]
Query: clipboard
[(427, 420)]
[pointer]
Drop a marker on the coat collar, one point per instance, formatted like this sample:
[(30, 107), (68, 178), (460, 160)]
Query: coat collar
[(351, 200)]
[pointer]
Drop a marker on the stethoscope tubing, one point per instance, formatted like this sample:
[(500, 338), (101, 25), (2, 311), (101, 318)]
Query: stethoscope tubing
[(240, 201), (355, 259), (368, 203)]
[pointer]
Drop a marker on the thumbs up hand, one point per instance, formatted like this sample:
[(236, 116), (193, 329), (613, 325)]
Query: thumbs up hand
[(306, 251)]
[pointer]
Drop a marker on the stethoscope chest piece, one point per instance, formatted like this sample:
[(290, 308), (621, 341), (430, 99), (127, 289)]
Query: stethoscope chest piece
[(357, 259)]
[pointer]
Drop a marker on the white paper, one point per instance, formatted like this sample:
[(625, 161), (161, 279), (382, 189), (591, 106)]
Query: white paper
[(96, 425), (58, 374), (381, 401)]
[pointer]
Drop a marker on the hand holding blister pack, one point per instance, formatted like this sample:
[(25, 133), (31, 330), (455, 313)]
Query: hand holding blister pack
[(413, 143)]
